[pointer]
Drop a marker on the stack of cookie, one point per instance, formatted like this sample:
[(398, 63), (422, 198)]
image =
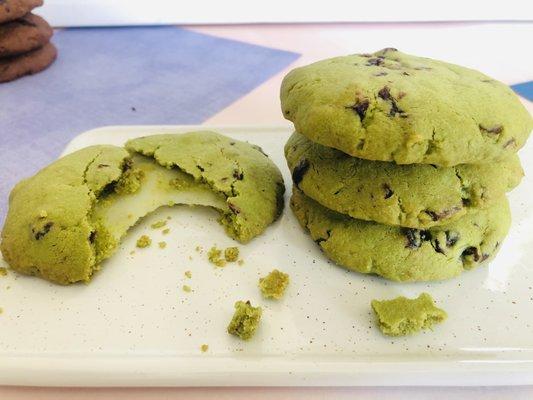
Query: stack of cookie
[(25, 46), (400, 164)]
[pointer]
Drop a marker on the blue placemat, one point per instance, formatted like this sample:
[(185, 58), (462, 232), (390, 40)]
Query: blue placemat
[(524, 89), (113, 76)]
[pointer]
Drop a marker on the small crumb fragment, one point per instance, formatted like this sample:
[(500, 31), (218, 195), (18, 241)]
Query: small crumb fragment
[(186, 288), (231, 254), (240, 262), (198, 249), (132, 252), (188, 274), (1, 310), (165, 231), (162, 245), (274, 284), (245, 320), (403, 316), (3, 271), (158, 224), (215, 257), (144, 241), (204, 348)]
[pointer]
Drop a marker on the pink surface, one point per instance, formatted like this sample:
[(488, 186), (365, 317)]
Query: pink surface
[(470, 44)]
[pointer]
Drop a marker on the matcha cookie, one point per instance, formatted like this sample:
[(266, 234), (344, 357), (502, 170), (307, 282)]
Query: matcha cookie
[(24, 34), (391, 106), (248, 182), (414, 196), (402, 316), (64, 221), (29, 63), (405, 254), (13, 9)]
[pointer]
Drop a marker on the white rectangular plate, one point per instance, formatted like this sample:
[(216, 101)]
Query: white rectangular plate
[(133, 325)]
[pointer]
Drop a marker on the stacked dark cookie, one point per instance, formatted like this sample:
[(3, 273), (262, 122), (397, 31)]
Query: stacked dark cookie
[(400, 164), (25, 46)]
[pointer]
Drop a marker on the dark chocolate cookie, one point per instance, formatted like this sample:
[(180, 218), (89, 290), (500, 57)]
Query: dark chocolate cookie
[(24, 34), (13, 9), (26, 64)]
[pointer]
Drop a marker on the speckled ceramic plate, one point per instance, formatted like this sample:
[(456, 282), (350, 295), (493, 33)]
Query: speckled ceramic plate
[(134, 325)]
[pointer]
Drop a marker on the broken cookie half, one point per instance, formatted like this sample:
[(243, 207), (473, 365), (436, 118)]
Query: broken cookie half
[(69, 217)]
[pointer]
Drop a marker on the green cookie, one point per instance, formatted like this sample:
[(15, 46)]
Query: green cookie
[(70, 216), (405, 254), (414, 196), (391, 106)]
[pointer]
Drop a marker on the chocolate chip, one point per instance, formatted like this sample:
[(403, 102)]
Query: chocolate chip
[(42, 232), (234, 209), (471, 253), (466, 202), (385, 94), (415, 237), (451, 238), (232, 143), (238, 175), (388, 191), (492, 130), (92, 236), (436, 216), (360, 108), (375, 62), (510, 142), (202, 169), (299, 171)]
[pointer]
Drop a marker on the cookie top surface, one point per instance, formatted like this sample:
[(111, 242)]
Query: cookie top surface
[(34, 61), (13, 9), (24, 34), (48, 229), (405, 254), (415, 196), (250, 182), (391, 106)]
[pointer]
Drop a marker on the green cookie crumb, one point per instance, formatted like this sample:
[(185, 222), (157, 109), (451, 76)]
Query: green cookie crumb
[(231, 254), (188, 274), (158, 224), (186, 288), (162, 245), (204, 348), (215, 257), (3, 271), (274, 284), (144, 241), (240, 262), (165, 231), (245, 320), (130, 181), (403, 316)]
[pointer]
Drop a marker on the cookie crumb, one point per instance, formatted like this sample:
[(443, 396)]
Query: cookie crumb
[(402, 316), (215, 257), (132, 252), (165, 231), (274, 284), (162, 245), (158, 224), (240, 262), (186, 288), (231, 254), (204, 348), (245, 320), (3, 271), (188, 274), (144, 241)]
